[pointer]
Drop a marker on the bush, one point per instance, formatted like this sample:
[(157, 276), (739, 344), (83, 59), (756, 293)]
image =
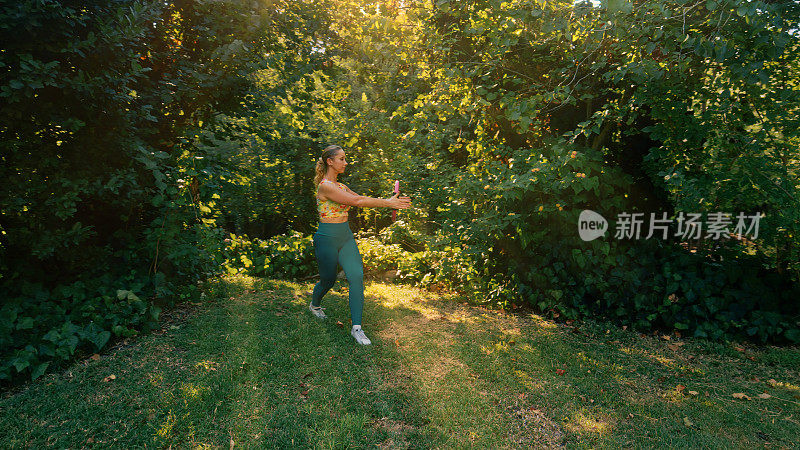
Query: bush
[(514, 231), (660, 286), (282, 256), (44, 327)]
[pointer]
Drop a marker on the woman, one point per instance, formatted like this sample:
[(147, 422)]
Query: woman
[(334, 242)]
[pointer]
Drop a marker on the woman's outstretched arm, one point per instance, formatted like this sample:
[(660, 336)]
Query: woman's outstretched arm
[(350, 198)]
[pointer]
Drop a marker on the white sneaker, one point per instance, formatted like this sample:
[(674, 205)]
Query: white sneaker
[(317, 311), (359, 336)]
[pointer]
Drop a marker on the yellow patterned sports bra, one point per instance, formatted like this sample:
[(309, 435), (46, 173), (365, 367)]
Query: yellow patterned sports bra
[(329, 209)]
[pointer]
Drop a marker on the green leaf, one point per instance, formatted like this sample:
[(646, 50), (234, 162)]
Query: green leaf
[(792, 334), (102, 339), (97, 336), (577, 255), (39, 370), (47, 350), (52, 336), (616, 6), (25, 323), (21, 364), (155, 312)]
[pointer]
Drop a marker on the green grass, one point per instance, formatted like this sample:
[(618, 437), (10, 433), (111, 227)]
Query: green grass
[(254, 368)]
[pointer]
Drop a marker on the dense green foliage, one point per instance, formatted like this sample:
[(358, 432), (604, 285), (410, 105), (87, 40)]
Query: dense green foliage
[(112, 158), (138, 136)]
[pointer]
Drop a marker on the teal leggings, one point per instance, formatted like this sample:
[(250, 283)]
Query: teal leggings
[(334, 243)]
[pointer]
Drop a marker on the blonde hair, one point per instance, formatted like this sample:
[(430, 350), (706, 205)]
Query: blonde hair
[(322, 163)]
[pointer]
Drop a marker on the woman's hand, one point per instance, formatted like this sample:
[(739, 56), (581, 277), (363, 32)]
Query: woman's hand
[(397, 202)]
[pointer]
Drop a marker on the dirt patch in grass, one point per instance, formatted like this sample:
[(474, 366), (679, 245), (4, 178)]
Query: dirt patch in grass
[(530, 425), (397, 428), (392, 426)]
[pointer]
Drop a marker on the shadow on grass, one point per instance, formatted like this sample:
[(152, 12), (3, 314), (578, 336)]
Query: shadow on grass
[(275, 376), (592, 386)]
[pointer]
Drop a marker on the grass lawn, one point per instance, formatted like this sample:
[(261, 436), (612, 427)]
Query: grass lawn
[(252, 367)]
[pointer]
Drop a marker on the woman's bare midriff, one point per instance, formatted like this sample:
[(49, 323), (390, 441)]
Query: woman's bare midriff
[(340, 220)]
